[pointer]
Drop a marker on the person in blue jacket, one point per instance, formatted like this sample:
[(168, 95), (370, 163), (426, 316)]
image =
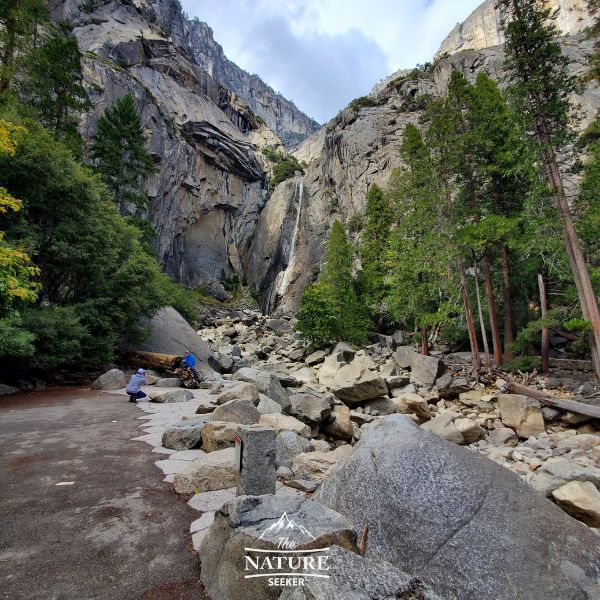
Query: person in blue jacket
[(137, 381), (189, 361)]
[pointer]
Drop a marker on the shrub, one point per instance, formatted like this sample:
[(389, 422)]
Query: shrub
[(284, 170), (362, 102)]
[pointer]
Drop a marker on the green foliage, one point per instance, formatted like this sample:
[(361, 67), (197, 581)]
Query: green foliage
[(54, 87), (273, 155), (97, 280), (523, 364), (14, 340), (120, 154), (339, 314), (356, 223), (362, 102), (284, 170), (378, 220)]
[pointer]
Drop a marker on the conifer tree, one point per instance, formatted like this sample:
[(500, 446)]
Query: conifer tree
[(54, 84), (422, 290), (378, 220), (120, 153), (541, 88)]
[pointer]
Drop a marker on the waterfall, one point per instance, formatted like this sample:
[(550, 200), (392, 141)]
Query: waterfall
[(282, 281)]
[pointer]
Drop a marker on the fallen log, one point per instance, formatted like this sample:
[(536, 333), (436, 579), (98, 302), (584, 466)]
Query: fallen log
[(580, 408), (150, 360)]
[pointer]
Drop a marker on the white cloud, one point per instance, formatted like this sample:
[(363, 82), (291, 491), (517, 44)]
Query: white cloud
[(323, 53)]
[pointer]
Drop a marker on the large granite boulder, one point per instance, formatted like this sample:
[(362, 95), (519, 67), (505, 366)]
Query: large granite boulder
[(213, 471), (354, 577), (311, 408), (521, 413), (268, 384), (316, 465), (280, 422), (424, 370), (288, 445), (237, 411), (181, 395), (358, 381), (111, 380), (170, 333), (467, 526), (218, 435), (243, 391), (185, 434), (259, 522)]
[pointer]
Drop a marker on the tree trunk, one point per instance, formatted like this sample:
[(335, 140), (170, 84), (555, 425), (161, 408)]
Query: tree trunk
[(486, 347), (507, 301), (469, 316), (424, 342), (489, 291), (581, 276), (545, 330)]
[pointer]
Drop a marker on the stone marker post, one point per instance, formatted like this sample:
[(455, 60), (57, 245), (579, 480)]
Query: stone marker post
[(255, 453)]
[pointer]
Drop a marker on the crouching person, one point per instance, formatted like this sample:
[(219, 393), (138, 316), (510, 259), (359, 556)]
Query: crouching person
[(137, 381)]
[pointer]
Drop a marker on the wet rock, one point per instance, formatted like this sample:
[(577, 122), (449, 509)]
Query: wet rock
[(475, 521), (111, 380), (521, 413)]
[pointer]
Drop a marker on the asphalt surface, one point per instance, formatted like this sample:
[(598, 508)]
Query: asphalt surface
[(117, 532)]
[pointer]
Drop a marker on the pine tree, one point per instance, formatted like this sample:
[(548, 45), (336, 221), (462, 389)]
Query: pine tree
[(422, 291), (541, 88), (120, 154), (19, 21), (376, 231), (54, 84)]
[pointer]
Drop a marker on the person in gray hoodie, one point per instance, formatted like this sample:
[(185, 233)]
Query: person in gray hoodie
[(137, 381)]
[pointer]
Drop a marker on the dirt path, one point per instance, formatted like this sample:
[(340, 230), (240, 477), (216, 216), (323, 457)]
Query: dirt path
[(117, 532)]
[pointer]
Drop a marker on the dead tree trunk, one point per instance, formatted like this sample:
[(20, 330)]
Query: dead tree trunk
[(545, 330), (424, 342)]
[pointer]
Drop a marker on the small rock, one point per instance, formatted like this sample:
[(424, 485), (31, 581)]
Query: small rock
[(315, 358), (581, 500), (521, 413), (289, 444), (340, 428), (218, 435), (214, 471), (285, 423), (503, 436), (444, 427), (317, 465)]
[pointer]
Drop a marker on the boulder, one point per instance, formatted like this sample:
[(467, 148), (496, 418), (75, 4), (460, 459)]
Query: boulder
[(567, 470), (521, 413), (243, 391), (267, 406), (450, 387), (168, 382), (342, 354), (410, 403), (443, 426), (470, 430), (237, 411), (268, 384), (424, 370), (311, 408), (470, 398), (305, 376), (218, 435), (171, 396), (288, 444), (380, 406), (465, 525), (213, 471), (317, 465), (355, 577), (184, 435), (170, 333), (340, 428), (581, 499), (111, 380), (358, 381), (256, 522), (285, 423), (315, 358), (502, 436)]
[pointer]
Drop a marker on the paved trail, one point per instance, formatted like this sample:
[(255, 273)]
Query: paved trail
[(117, 533)]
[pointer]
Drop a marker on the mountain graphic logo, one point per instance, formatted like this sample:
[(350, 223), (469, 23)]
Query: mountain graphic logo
[(286, 525)]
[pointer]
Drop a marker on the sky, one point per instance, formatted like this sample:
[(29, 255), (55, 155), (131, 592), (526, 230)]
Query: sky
[(321, 54)]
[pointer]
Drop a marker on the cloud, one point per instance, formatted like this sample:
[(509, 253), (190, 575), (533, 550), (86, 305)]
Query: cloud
[(323, 53)]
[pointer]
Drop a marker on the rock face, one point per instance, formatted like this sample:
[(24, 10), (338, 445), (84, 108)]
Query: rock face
[(281, 115), (482, 28), (481, 531), (244, 523)]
